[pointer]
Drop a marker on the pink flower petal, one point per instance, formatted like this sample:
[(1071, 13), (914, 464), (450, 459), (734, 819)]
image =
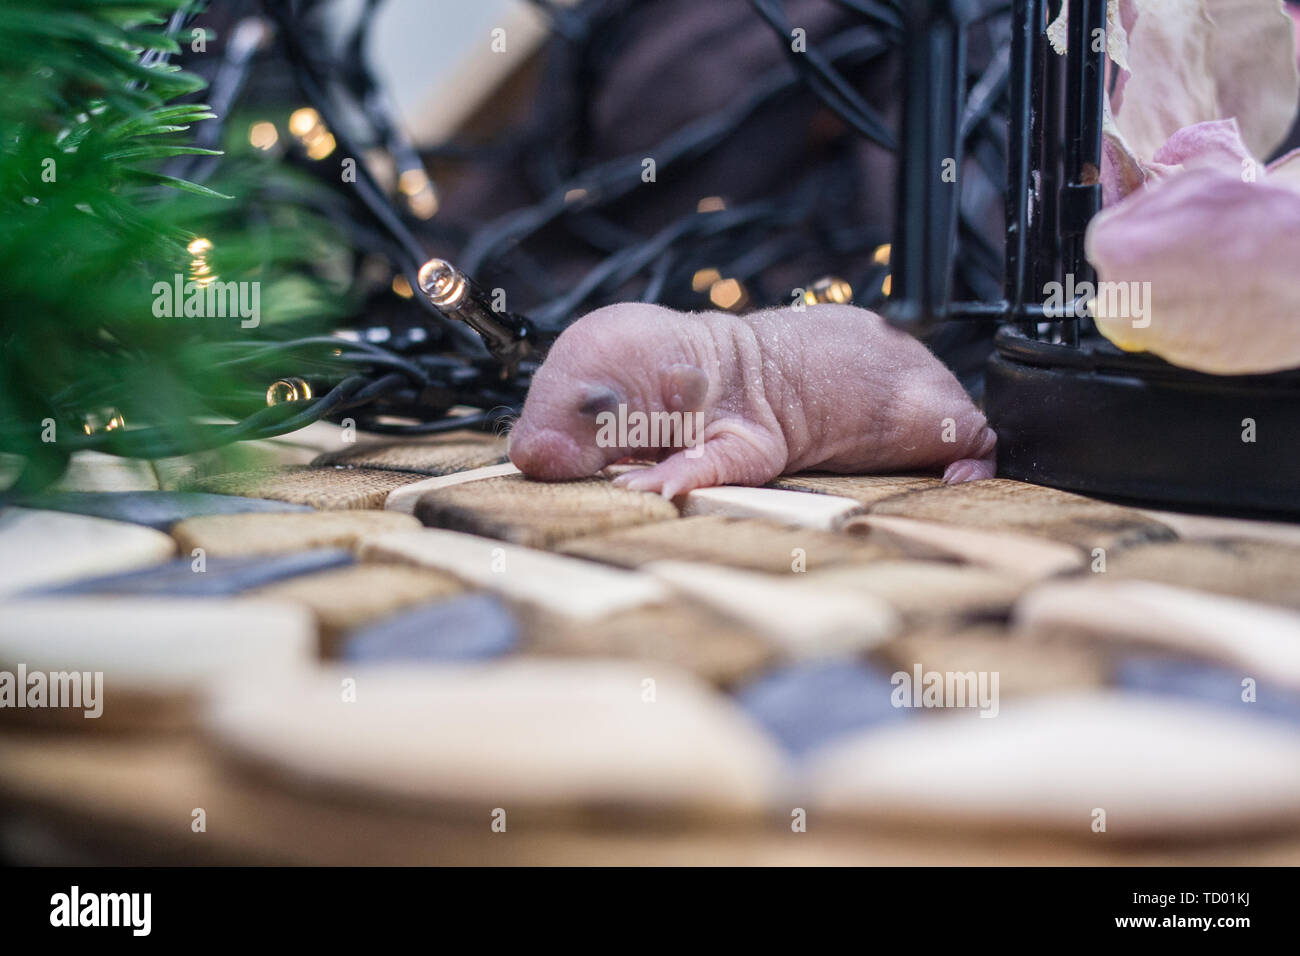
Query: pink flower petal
[(1285, 170), (1216, 143), (1220, 255), (1121, 171)]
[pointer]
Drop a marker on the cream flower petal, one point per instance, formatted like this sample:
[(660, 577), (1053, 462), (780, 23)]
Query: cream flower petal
[(1198, 60), (1058, 33), (1172, 83), (1253, 55)]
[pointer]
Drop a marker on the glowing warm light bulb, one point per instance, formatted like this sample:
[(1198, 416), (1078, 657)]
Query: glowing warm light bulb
[(418, 189), (728, 294), (105, 420), (828, 289), (263, 135), (200, 271), (445, 287), (302, 121), (703, 279), (320, 143), (412, 181)]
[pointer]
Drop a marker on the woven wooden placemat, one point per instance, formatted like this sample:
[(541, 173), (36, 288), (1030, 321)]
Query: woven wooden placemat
[(96, 471), (348, 598), (50, 548), (825, 512), (749, 543), (865, 489), (1016, 506), (329, 489), (436, 455), (1253, 570), (181, 472), (1024, 667), (568, 587), (925, 592), (539, 514), (249, 534), (1015, 553), (681, 634), (154, 656)]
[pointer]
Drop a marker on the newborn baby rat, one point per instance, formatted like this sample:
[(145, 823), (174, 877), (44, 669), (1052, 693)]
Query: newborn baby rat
[(827, 388)]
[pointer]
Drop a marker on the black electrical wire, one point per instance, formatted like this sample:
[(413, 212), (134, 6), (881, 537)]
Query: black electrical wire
[(825, 81)]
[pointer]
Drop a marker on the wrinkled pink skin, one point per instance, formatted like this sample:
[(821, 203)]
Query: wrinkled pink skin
[(832, 388)]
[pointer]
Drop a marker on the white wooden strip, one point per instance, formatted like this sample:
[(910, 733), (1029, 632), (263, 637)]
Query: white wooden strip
[(1261, 638), (1019, 554), (788, 507), (404, 498), (521, 733), (156, 644), (44, 548), (1156, 767), (1197, 527), (96, 471), (800, 617), (568, 587)]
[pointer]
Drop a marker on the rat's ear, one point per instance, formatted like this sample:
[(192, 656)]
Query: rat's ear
[(598, 398), (687, 387)]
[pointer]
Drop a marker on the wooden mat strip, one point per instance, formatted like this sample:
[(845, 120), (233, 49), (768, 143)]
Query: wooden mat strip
[(787, 507), (749, 543), (1253, 570), (1261, 639), (536, 513), (96, 471), (567, 587), (249, 534), (1024, 668), (682, 634), (406, 497), (429, 456), (348, 598), (328, 489), (925, 592), (864, 489), (1003, 505), (1014, 553)]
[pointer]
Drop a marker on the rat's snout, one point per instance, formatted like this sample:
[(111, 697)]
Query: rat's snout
[(551, 455)]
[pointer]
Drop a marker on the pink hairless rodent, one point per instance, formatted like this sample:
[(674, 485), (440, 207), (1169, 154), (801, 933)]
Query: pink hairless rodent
[(828, 388)]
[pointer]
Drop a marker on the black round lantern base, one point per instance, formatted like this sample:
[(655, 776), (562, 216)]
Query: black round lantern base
[(1099, 421)]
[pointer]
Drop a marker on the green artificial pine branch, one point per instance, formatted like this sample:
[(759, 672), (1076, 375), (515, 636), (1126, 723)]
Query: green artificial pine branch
[(89, 225)]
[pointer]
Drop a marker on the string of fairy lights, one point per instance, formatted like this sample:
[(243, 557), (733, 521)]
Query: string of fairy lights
[(431, 351)]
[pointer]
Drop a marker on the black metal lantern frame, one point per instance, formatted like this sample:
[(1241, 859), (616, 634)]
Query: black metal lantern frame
[(1070, 409)]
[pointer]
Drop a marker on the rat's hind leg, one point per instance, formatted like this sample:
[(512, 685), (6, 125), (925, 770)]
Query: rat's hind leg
[(726, 459), (969, 469), (983, 464)]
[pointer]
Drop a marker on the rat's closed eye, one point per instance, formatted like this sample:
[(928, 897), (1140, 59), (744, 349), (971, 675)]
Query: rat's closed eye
[(596, 399)]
